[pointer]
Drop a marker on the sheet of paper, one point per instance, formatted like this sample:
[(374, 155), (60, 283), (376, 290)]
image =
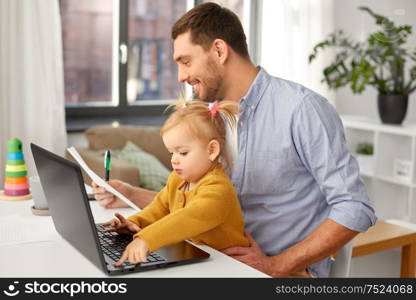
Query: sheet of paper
[(98, 180), (88, 189), (16, 229)]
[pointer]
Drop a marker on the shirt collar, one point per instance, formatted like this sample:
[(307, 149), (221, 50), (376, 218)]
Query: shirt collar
[(256, 89)]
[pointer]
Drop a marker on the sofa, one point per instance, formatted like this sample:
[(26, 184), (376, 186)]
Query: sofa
[(104, 137)]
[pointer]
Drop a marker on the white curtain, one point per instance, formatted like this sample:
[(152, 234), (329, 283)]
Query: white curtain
[(31, 78), (290, 29)]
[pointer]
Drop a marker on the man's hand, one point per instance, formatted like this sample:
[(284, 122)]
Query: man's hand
[(139, 196), (121, 225), (135, 252), (252, 256), (107, 199)]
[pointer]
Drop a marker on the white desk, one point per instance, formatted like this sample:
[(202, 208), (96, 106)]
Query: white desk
[(59, 259)]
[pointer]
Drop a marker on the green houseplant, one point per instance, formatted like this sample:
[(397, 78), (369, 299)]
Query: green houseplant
[(365, 149), (379, 61), (365, 157)]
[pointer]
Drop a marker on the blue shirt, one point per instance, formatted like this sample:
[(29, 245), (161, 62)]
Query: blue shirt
[(293, 169)]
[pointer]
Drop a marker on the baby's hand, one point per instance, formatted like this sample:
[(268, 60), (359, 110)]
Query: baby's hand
[(121, 225), (135, 252)]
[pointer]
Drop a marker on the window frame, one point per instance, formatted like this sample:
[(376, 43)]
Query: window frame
[(123, 109), (125, 112)]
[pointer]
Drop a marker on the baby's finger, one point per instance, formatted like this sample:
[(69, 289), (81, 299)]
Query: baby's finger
[(143, 256), (107, 223), (115, 222), (122, 259), (133, 259), (121, 218), (111, 228)]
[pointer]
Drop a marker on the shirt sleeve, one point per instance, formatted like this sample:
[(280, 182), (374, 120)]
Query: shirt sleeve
[(208, 210), (319, 138)]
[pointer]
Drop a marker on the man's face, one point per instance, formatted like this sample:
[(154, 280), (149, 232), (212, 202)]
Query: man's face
[(198, 68), (190, 156)]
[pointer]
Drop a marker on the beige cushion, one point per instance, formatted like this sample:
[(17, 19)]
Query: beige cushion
[(146, 137)]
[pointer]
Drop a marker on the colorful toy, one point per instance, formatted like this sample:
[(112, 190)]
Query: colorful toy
[(16, 186)]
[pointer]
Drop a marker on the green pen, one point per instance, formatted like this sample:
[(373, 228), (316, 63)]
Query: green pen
[(107, 165)]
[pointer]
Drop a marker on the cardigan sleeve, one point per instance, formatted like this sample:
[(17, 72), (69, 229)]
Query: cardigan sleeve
[(154, 211), (208, 210)]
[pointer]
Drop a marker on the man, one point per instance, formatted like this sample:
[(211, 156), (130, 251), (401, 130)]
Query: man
[(298, 185)]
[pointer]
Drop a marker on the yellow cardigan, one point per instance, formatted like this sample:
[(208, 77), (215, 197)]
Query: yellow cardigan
[(208, 214)]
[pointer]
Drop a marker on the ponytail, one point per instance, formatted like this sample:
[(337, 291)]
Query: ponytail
[(205, 121)]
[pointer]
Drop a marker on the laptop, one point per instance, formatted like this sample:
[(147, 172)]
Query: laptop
[(67, 199)]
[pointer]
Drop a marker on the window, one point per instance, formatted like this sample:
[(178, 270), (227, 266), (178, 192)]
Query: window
[(152, 73), (118, 55), (87, 30)]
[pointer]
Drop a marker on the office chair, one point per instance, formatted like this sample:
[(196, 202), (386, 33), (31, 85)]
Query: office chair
[(341, 265)]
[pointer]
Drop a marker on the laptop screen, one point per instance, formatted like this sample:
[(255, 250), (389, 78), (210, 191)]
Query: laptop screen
[(64, 190)]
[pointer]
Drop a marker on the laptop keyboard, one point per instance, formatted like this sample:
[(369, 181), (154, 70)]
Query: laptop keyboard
[(113, 245)]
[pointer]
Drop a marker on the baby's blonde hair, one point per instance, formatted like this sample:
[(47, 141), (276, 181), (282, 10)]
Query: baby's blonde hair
[(201, 123)]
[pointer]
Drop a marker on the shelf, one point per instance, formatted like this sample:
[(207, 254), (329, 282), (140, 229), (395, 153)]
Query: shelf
[(388, 179), (357, 136), (394, 181), (394, 153), (367, 174), (365, 123)]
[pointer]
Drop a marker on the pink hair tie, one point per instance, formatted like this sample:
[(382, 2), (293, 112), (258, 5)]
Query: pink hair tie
[(213, 108)]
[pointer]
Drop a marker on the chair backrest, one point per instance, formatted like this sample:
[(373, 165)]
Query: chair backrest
[(341, 265)]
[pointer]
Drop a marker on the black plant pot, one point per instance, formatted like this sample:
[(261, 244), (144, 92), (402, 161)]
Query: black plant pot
[(392, 108)]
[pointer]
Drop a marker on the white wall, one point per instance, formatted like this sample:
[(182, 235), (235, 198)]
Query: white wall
[(358, 24)]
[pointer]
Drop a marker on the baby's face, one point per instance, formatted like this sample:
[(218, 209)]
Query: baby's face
[(190, 156)]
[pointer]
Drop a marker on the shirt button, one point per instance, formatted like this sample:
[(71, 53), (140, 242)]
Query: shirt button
[(241, 124), (252, 107)]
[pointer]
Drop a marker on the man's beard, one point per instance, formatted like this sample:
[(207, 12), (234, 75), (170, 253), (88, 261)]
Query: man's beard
[(212, 84)]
